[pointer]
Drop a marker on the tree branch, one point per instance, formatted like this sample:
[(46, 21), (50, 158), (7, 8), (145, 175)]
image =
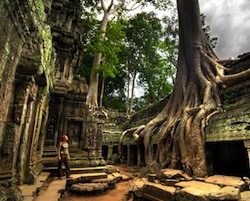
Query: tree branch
[(103, 6), (230, 80), (110, 7), (124, 134)]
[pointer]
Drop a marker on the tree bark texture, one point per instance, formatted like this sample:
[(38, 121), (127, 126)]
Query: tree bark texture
[(92, 97)]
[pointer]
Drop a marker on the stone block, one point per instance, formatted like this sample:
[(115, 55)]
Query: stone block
[(152, 177), (158, 192), (223, 180), (226, 193), (245, 196), (201, 191), (172, 174), (117, 176), (137, 187)]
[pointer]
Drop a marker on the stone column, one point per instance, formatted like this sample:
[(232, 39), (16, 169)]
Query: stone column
[(110, 152), (247, 146), (99, 141), (128, 155), (138, 155)]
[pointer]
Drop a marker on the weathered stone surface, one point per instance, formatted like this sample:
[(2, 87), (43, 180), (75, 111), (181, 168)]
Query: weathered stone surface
[(90, 176), (152, 177), (154, 191), (225, 193), (137, 187), (89, 187), (10, 193), (223, 180), (110, 169), (200, 191), (117, 176), (245, 196), (185, 191), (172, 174), (203, 187)]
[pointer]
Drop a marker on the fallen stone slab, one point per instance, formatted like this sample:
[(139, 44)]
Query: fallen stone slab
[(117, 176), (137, 186), (89, 187), (172, 174), (142, 188), (223, 180), (202, 186), (200, 191), (226, 193), (152, 191)]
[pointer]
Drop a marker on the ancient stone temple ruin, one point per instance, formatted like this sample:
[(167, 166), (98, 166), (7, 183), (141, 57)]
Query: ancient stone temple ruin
[(41, 98)]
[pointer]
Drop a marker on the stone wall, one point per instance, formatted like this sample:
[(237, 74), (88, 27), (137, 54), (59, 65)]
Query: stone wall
[(40, 52), (25, 63)]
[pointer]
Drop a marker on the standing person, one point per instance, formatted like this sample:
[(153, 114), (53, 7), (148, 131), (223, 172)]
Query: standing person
[(63, 156)]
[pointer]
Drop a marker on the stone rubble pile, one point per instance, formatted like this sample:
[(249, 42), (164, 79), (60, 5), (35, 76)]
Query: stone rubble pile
[(95, 182), (174, 185)]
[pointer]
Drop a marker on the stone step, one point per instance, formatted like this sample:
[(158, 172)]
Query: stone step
[(29, 191), (99, 169), (93, 183), (85, 178)]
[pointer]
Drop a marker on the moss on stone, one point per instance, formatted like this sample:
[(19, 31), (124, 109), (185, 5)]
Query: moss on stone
[(47, 54)]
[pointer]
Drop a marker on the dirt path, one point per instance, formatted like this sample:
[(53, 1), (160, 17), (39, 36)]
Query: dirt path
[(119, 193)]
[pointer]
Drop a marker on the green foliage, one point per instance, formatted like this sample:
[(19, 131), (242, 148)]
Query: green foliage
[(149, 56), (161, 4)]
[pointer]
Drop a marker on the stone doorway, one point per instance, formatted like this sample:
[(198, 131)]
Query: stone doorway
[(229, 158), (105, 152), (74, 132)]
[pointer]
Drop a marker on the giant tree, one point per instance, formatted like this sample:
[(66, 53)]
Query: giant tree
[(109, 8), (195, 97)]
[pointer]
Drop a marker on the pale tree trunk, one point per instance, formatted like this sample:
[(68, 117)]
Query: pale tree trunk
[(92, 97), (102, 90), (132, 93), (196, 93), (128, 88)]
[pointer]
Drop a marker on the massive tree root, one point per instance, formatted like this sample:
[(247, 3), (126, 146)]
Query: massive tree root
[(180, 126)]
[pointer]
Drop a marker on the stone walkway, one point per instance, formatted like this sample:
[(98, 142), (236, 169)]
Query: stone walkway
[(43, 190), (33, 192)]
